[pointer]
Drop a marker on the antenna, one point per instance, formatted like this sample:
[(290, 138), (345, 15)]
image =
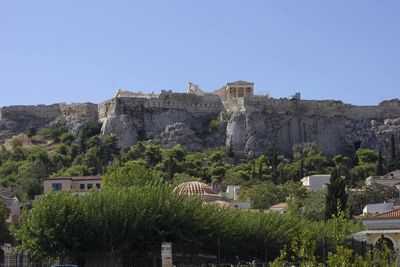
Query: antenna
[(114, 77)]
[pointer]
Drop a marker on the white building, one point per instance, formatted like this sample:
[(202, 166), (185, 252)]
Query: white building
[(381, 227), (316, 182), (378, 208), (11, 203), (389, 179), (280, 207), (231, 192), (232, 196)]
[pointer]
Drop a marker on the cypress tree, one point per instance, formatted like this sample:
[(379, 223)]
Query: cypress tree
[(253, 173), (302, 162), (230, 152), (336, 197), (379, 164), (393, 157), (274, 164), (171, 170), (260, 174)]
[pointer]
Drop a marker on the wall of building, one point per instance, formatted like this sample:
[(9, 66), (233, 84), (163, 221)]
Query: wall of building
[(47, 184), (75, 186)]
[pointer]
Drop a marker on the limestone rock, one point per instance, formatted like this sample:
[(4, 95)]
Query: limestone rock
[(180, 133), (123, 127)]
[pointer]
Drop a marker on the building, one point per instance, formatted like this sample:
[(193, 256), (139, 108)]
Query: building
[(232, 196), (316, 182), (280, 207), (378, 208), (198, 189), (13, 204), (234, 90), (381, 227), (231, 192), (390, 179), (72, 183)]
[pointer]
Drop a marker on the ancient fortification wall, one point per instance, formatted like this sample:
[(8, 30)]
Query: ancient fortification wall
[(328, 108), (181, 101), (22, 112), (253, 124)]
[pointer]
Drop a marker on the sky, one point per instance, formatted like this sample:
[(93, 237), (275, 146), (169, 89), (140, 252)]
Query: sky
[(82, 51)]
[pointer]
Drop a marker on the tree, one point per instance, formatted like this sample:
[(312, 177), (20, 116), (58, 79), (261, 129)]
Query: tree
[(379, 164), (171, 169), (260, 170), (131, 174), (253, 170), (336, 197), (4, 214), (110, 148), (230, 153), (393, 165), (32, 130)]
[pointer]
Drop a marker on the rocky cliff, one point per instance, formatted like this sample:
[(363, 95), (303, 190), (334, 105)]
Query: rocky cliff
[(258, 122), (251, 125), (16, 119)]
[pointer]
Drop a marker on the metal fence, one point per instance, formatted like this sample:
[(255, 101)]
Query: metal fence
[(188, 254)]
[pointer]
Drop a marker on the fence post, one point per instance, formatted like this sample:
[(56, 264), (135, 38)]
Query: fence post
[(324, 249), (371, 251), (265, 249), (219, 251), (363, 249)]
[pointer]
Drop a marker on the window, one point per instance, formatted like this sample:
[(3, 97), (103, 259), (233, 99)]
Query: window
[(98, 186), (82, 186), (56, 186), (89, 186)]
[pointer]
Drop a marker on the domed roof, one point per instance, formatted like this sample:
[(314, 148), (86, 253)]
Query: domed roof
[(194, 188), (197, 189)]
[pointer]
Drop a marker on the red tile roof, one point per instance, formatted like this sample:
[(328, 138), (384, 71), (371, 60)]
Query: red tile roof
[(74, 178), (390, 215)]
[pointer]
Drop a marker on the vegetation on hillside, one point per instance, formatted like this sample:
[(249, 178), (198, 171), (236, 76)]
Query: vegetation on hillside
[(136, 206)]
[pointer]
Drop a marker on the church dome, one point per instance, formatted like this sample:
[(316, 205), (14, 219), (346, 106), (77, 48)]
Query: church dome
[(197, 189)]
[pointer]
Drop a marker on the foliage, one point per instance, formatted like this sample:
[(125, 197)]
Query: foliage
[(214, 125), (134, 217), (266, 194), (336, 197), (373, 193)]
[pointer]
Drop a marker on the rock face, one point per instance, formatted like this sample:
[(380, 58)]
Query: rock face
[(180, 133), (334, 126), (251, 124), (176, 117), (16, 119)]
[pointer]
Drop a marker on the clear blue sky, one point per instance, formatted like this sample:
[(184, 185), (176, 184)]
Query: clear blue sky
[(64, 51)]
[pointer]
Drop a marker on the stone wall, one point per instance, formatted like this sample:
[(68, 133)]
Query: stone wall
[(258, 122), (127, 116), (253, 123)]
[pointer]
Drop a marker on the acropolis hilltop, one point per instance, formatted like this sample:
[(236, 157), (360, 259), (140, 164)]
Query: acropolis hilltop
[(248, 123)]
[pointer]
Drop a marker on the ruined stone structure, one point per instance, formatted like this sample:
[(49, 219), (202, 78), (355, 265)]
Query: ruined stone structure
[(250, 124), (235, 90)]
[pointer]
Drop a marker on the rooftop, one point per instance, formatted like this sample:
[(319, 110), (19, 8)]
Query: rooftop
[(240, 82), (282, 205), (390, 215), (74, 178)]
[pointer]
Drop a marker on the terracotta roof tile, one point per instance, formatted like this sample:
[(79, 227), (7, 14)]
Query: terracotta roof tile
[(74, 178), (390, 215)]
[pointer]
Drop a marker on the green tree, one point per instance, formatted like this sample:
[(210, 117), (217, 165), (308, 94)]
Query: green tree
[(31, 131), (393, 165), (336, 197), (131, 174), (379, 164)]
